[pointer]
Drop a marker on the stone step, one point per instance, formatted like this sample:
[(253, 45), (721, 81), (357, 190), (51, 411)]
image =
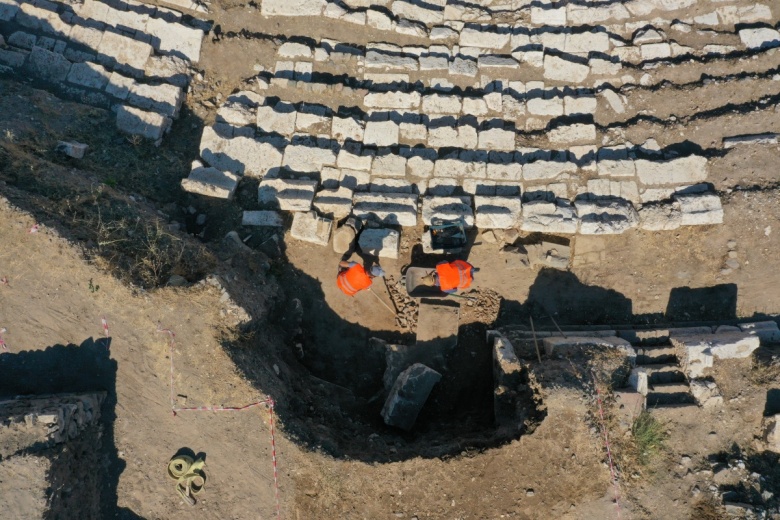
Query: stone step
[(663, 373), (664, 394), (662, 354)]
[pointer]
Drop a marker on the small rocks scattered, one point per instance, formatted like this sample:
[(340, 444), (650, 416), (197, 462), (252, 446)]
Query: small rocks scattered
[(730, 263)]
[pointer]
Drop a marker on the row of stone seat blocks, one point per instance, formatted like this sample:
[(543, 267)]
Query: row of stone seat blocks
[(69, 64), (414, 18), (560, 59)]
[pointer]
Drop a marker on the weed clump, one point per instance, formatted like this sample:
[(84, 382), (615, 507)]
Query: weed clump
[(649, 437)]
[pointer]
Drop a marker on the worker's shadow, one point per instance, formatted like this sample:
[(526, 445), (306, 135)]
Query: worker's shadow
[(83, 368)]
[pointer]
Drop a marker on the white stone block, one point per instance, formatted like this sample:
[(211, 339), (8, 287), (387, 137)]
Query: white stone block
[(134, 121), (685, 170), (381, 133), (497, 212), (307, 159), (497, 139), (393, 99), (279, 119), (606, 217), (698, 209), (457, 169), (292, 7), (489, 38), (287, 194), (263, 218), (449, 208), (548, 170), (766, 331), (655, 51), (334, 203), (396, 209), (308, 227), (210, 182), (380, 242), (759, 37), (574, 134), (549, 217), (441, 104), (659, 217), (559, 69)]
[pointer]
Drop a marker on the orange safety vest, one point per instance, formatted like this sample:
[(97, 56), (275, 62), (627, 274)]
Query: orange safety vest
[(353, 280), (454, 275)]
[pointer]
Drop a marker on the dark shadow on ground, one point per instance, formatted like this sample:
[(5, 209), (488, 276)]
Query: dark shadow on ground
[(71, 369)]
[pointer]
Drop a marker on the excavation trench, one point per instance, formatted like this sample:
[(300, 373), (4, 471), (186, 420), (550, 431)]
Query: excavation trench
[(332, 369)]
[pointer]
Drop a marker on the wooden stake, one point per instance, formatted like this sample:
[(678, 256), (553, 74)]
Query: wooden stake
[(536, 343)]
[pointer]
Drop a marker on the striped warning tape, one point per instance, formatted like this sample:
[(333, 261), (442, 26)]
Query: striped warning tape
[(3, 346), (612, 472), (105, 330), (267, 402)]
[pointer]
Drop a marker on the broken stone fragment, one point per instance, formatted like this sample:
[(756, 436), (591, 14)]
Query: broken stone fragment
[(72, 149), (408, 396)]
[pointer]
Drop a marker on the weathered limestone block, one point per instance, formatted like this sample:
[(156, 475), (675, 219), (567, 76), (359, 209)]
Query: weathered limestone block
[(395, 209), (441, 104), (240, 155), (456, 169), (393, 99), (48, 65), (698, 209), (308, 227), (606, 217), (765, 330), (497, 212), (697, 352), (175, 39), (262, 218), (381, 133), (287, 194), (124, 53), (420, 13), (377, 59), (135, 121), (292, 7), (304, 158), (164, 98), (389, 165), (760, 37), (660, 217), (347, 128), (294, 50), (497, 139), (381, 242), (549, 217), (574, 134), (559, 69), (655, 51), (685, 170), (767, 138), (210, 182), (706, 393), (586, 42), (488, 38), (771, 428), (90, 75), (334, 203), (548, 170), (449, 208), (408, 396)]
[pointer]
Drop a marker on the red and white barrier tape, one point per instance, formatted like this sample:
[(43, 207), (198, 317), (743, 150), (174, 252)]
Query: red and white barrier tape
[(105, 329), (268, 402), (3, 346), (612, 472)]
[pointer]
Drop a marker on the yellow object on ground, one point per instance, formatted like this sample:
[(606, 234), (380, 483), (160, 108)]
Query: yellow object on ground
[(189, 476)]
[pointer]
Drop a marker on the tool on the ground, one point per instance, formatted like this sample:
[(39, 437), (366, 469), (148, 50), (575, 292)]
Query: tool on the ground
[(446, 236), (189, 476), (390, 294), (382, 301), (470, 298), (536, 343)]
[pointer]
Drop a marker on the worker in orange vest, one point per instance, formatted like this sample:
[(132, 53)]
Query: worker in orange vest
[(451, 276), (353, 277)]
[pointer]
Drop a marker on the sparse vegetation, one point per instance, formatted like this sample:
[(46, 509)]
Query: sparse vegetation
[(649, 437), (764, 372)]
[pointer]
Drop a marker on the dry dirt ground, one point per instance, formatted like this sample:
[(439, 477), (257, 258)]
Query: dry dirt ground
[(71, 273)]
